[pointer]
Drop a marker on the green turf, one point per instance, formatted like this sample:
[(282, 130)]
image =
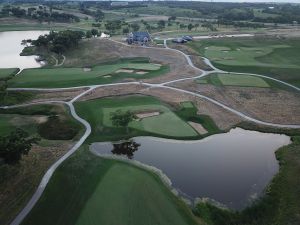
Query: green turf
[(89, 190), (278, 58), (7, 72), (242, 80), (67, 77), (167, 124)]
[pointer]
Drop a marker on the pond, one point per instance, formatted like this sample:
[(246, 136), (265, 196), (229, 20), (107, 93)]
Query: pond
[(231, 168), (10, 49)]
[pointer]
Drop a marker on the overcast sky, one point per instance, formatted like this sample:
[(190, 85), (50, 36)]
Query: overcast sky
[(277, 1)]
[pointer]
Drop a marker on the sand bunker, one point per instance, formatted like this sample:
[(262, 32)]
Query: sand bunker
[(198, 127), (124, 71), (107, 76), (87, 69), (141, 72), (142, 115)]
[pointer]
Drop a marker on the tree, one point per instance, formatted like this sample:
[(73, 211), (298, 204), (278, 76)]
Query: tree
[(135, 27), (196, 26), (125, 30), (125, 148), (172, 18), (94, 32), (88, 34), (161, 24), (190, 27), (122, 119), (16, 144)]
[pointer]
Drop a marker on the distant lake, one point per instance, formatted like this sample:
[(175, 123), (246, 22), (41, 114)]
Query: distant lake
[(232, 168), (10, 49)]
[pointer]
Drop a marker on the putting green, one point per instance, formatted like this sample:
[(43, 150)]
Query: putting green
[(242, 80), (97, 112), (67, 77), (272, 57), (233, 79), (167, 123)]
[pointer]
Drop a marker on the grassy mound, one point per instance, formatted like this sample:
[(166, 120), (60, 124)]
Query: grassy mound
[(91, 190), (101, 74)]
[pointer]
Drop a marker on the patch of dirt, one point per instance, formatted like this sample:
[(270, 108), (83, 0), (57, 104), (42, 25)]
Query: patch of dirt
[(198, 127), (267, 104), (142, 115), (86, 69), (65, 95), (124, 71), (141, 72)]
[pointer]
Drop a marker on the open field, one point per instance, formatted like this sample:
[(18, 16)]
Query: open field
[(166, 124), (94, 195), (18, 182), (68, 77), (278, 58), (232, 79)]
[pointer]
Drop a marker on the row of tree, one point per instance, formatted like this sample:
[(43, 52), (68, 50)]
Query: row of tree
[(41, 14), (59, 42)]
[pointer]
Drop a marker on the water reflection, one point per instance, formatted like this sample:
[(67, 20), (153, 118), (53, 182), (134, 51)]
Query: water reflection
[(232, 168), (11, 47), (126, 148)]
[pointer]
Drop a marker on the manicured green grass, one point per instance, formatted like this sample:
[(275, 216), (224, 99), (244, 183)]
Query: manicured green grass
[(8, 72), (242, 80), (167, 124), (271, 57), (67, 77), (87, 190)]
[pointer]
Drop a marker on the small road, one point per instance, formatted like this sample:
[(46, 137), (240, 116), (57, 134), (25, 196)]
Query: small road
[(87, 126)]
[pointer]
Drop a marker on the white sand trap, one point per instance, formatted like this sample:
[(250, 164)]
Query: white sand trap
[(142, 115), (198, 127), (124, 71), (141, 72), (107, 76), (87, 69), (156, 64)]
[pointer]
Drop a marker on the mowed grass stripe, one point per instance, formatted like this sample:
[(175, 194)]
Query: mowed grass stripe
[(128, 195), (67, 77), (242, 80)]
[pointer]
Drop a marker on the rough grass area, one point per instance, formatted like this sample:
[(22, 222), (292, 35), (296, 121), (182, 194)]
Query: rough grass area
[(167, 124), (18, 182), (242, 80), (271, 57), (279, 206), (89, 190), (51, 122), (15, 97), (68, 77)]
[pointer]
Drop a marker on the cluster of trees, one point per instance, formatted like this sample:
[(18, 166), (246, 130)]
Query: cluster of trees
[(121, 118), (42, 14), (16, 144), (59, 42), (98, 14)]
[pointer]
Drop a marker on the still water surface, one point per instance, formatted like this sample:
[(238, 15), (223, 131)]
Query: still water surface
[(10, 49), (232, 168)]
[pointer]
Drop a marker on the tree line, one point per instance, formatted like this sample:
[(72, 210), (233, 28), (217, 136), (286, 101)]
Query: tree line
[(41, 13)]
